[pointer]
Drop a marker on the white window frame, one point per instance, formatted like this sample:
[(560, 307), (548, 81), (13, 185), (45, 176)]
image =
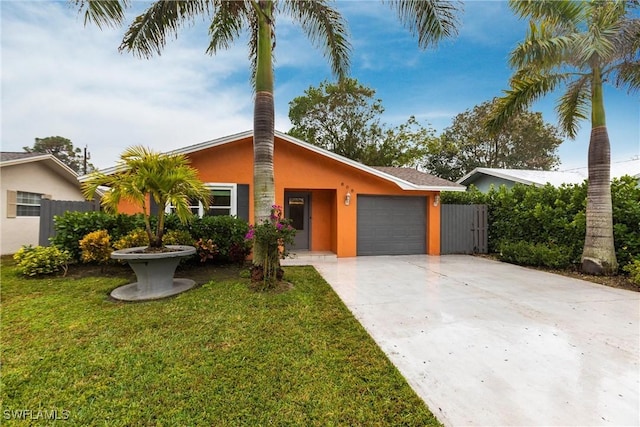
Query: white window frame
[(233, 209)]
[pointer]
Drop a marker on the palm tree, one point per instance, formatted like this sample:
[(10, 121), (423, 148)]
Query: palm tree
[(430, 20), (579, 46), (144, 175)]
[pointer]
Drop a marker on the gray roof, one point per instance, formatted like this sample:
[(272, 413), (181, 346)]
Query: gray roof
[(6, 156), (417, 177)]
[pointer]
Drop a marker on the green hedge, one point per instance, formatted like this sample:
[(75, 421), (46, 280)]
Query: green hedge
[(225, 231), (555, 217), (73, 226)]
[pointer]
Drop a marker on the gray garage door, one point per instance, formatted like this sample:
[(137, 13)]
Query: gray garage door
[(391, 225)]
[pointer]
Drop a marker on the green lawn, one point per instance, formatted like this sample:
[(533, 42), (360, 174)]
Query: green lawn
[(217, 355)]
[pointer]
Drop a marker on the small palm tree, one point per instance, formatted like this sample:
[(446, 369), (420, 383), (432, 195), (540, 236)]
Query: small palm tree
[(144, 175), (581, 45)]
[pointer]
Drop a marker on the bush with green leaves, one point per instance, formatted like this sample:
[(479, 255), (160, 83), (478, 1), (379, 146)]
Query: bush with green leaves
[(206, 250), (96, 247), (633, 269), (71, 227), (126, 231), (555, 216), (139, 237), (133, 239), (227, 233), (625, 195), (40, 260), (178, 237), (535, 254)]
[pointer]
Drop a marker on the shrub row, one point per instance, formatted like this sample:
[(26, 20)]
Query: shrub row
[(97, 232), (554, 217), (535, 254)]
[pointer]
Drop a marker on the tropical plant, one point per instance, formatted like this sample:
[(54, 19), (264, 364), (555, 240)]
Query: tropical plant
[(96, 247), (274, 234), (578, 45), (430, 20), (143, 175)]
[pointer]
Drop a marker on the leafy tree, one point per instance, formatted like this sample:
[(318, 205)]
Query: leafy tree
[(578, 46), (430, 20), (344, 117), (404, 145), (63, 149), (525, 142)]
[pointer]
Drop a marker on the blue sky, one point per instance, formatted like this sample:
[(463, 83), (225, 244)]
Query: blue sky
[(62, 78)]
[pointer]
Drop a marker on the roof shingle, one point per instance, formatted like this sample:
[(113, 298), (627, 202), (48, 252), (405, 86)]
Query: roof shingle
[(415, 176)]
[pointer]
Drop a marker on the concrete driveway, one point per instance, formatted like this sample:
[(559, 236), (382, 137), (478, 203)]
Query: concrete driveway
[(491, 344)]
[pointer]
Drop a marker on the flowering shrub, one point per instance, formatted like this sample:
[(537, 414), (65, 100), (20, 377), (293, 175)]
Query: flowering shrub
[(271, 237)]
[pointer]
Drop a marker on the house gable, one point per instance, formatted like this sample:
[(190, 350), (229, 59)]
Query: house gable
[(39, 174)]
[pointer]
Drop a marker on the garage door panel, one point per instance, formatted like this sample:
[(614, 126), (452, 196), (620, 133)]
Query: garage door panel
[(391, 225)]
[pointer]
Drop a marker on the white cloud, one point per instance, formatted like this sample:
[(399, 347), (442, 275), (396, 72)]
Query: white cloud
[(60, 78)]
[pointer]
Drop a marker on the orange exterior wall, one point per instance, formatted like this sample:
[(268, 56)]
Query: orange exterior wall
[(333, 225)]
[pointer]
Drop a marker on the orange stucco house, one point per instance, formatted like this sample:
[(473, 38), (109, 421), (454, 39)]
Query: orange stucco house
[(336, 204)]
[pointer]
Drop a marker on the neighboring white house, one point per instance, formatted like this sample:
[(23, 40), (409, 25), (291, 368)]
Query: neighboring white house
[(484, 178), (25, 179)]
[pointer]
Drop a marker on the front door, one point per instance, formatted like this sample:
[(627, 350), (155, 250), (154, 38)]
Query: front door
[(297, 210)]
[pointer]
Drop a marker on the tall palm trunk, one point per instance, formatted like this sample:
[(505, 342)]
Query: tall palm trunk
[(599, 256), (263, 125)]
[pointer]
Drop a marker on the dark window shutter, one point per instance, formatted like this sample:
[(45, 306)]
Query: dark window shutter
[(243, 201), (153, 207)]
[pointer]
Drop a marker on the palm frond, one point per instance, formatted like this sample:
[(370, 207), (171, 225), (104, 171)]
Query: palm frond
[(526, 88), (325, 27), (541, 47), (107, 13), (597, 45), (253, 47), (227, 23), (566, 14), (149, 32), (574, 105), (429, 20), (628, 75)]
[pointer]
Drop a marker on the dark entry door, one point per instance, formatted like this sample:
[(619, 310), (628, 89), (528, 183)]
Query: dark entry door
[(297, 210)]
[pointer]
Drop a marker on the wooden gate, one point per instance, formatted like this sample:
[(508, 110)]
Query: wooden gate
[(51, 208), (463, 229)]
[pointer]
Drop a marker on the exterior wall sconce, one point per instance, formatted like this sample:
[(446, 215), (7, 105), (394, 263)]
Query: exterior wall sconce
[(347, 199), (436, 200)]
